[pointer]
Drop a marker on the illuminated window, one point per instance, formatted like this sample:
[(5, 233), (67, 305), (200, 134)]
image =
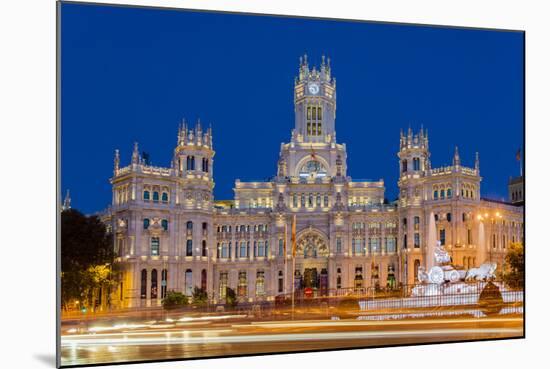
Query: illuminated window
[(242, 286), (188, 282), (155, 246), (163, 283), (143, 284), (223, 284), (260, 283), (154, 284)]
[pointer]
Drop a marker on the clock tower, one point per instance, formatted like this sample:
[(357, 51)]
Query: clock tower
[(314, 103)]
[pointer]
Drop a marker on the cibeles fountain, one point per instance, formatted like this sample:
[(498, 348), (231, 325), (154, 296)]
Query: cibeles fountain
[(441, 278)]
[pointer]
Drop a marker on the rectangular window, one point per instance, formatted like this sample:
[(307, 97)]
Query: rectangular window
[(469, 236), (155, 246), (404, 241), (189, 248), (281, 247), (243, 250), (390, 244), (416, 223), (338, 245), (295, 201), (442, 236), (357, 246), (260, 283), (261, 249), (417, 240), (223, 284)]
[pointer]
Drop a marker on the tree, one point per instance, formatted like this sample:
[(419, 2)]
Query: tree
[(230, 297), (200, 297), (514, 275), (87, 257), (174, 300)]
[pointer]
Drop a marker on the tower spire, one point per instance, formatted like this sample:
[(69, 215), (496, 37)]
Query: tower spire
[(477, 162), (456, 158), (117, 161), (66, 201), (135, 154)]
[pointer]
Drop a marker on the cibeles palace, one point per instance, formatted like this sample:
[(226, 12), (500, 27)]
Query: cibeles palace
[(171, 234)]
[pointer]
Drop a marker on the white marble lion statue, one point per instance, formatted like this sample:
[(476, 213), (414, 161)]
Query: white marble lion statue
[(485, 272)]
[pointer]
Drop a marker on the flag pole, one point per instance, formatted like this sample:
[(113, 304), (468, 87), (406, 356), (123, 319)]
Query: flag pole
[(284, 261), (293, 259)]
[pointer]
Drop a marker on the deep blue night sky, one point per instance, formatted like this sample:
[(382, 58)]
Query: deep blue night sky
[(133, 74)]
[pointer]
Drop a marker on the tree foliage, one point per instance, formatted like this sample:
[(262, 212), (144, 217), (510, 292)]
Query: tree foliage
[(231, 297), (174, 300), (514, 275), (86, 257), (200, 297)]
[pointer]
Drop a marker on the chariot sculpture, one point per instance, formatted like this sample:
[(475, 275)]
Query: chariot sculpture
[(443, 271)]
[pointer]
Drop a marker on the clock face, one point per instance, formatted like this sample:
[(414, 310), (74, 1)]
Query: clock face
[(313, 88)]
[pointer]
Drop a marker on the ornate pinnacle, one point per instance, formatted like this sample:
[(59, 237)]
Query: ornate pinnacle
[(456, 158), (117, 160), (135, 154)]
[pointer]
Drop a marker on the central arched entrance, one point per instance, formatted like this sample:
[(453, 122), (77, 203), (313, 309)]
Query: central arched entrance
[(311, 271)]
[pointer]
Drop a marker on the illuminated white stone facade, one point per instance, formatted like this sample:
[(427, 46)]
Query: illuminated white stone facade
[(171, 234)]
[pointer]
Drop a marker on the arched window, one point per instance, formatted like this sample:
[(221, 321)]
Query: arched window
[(154, 284), (204, 250), (189, 248), (164, 197), (188, 282), (449, 193), (416, 164), (146, 195), (326, 201), (189, 225), (146, 223), (164, 224), (143, 283), (155, 196), (164, 283), (436, 194), (442, 194)]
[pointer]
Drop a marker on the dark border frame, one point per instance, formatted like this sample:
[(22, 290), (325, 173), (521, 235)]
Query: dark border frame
[(59, 3)]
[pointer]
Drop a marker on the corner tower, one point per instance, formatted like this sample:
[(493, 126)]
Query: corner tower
[(314, 102)]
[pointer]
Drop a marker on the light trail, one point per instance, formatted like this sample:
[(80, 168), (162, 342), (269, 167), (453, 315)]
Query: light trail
[(287, 337), (334, 323)]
